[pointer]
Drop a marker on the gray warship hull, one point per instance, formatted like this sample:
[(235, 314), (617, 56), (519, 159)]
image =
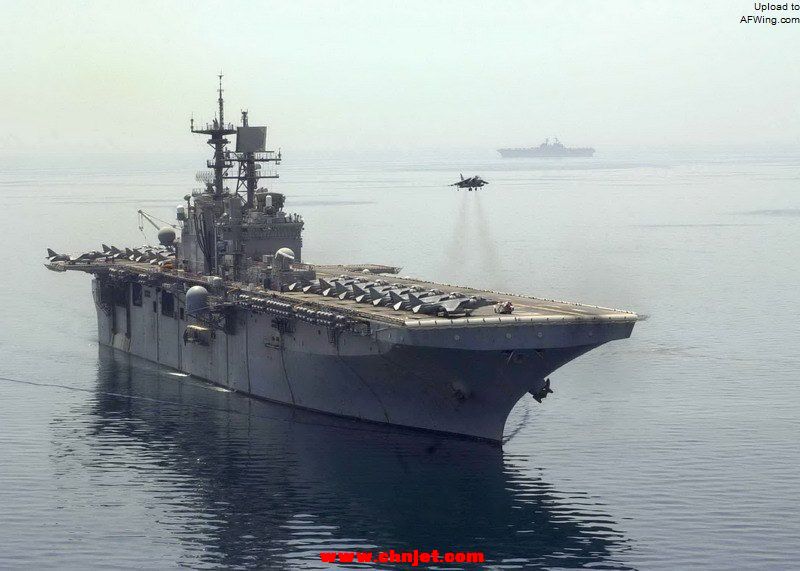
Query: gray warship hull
[(226, 297), (540, 153), (452, 376)]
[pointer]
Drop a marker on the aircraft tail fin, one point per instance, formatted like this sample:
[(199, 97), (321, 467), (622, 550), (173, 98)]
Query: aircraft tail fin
[(377, 297), (51, 253), (342, 290), (359, 292), (325, 287)]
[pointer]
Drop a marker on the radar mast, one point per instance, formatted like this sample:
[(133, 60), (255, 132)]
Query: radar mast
[(218, 131), (250, 153)]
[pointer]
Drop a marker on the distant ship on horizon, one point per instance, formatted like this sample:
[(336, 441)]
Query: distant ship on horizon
[(547, 149)]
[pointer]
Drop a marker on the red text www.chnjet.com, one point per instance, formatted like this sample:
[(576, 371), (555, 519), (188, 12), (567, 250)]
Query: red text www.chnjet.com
[(413, 558)]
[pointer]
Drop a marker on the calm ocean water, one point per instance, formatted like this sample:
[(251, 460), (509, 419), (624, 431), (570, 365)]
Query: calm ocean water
[(676, 448)]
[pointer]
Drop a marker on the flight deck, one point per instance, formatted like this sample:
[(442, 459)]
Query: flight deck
[(527, 309)]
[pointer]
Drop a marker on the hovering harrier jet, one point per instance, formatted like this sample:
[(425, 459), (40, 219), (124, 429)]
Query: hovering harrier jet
[(471, 183)]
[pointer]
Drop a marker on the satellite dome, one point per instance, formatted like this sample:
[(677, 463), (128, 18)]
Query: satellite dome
[(196, 299), (166, 236), (285, 253), (284, 258)]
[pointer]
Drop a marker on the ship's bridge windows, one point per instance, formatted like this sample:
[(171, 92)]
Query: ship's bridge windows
[(167, 304), (136, 294)]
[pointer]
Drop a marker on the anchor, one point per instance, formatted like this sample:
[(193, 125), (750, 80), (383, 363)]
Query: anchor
[(543, 392)]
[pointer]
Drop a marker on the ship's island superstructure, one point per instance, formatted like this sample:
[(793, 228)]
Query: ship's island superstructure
[(230, 301), (547, 150)]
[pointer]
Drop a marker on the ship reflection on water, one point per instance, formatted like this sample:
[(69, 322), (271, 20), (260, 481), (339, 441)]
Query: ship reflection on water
[(243, 483)]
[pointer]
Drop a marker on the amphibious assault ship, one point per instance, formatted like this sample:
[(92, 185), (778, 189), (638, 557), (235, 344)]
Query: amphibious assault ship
[(546, 150), (227, 297)]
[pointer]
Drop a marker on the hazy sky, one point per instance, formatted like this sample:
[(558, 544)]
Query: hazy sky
[(352, 75)]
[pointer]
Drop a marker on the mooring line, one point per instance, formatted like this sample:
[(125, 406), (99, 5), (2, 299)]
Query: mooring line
[(200, 406)]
